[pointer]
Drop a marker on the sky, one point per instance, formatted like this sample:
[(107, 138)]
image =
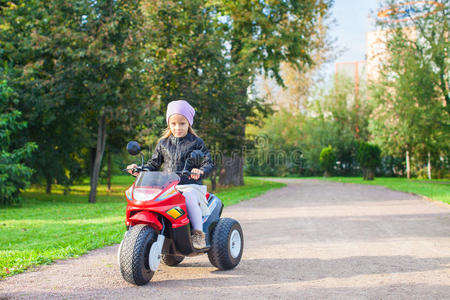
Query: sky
[(351, 24)]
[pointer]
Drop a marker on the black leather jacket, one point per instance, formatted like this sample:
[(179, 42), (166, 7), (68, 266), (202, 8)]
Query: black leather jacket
[(173, 152)]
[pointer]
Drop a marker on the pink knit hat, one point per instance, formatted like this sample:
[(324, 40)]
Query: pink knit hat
[(181, 107)]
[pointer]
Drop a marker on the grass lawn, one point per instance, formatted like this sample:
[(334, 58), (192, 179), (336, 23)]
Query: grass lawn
[(438, 190), (58, 226)]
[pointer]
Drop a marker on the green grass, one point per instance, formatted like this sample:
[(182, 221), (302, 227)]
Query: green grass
[(58, 226), (438, 190)]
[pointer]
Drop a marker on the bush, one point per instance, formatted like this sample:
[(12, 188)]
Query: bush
[(14, 175), (369, 159), (391, 166), (327, 160)]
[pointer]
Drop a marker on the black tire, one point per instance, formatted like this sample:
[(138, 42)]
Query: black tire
[(134, 264), (221, 255), (171, 260)]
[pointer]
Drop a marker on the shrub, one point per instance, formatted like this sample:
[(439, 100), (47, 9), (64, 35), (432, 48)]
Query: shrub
[(14, 175), (369, 159), (327, 160)]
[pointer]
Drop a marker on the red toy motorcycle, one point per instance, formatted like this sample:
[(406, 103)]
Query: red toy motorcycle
[(158, 227)]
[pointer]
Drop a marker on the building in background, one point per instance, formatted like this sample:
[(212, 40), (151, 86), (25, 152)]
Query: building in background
[(376, 50), (402, 14)]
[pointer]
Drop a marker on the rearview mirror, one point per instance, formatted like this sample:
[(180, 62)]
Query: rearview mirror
[(133, 148)]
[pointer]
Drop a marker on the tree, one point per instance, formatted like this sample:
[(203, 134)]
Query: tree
[(261, 36), (336, 116), (369, 159), (82, 64), (299, 84), (24, 48), (411, 97), (14, 173), (327, 160), (275, 148), (188, 60), (348, 109), (212, 59)]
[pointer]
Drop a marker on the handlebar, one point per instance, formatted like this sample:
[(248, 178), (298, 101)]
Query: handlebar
[(137, 169), (140, 169)]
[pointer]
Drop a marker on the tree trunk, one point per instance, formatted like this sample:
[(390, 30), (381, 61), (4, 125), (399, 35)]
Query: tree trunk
[(48, 187), (232, 169), (108, 179), (213, 179), (429, 165), (408, 168), (101, 139), (92, 162), (232, 172), (369, 174)]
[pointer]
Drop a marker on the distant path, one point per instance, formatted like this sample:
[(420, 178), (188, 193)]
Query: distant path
[(310, 240)]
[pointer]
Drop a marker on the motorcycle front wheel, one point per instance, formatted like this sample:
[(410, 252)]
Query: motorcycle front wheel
[(134, 254)]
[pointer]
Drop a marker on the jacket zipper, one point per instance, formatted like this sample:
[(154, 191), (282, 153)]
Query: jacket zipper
[(176, 155)]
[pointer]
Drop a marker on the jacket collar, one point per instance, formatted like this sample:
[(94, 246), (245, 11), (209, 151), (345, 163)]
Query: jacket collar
[(175, 139)]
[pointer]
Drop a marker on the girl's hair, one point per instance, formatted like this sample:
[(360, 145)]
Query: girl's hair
[(168, 133)]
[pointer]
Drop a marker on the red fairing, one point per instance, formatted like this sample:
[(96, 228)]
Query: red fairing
[(146, 217), (164, 201)]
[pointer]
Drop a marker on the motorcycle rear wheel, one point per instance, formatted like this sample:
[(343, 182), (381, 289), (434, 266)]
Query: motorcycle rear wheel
[(171, 260), (227, 244), (134, 254)]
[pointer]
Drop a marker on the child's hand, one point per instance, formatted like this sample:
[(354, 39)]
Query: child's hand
[(197, 174), (130, 167)]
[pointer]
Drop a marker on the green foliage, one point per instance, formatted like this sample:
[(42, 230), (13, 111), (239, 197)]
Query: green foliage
[(189, 60), (275, 150), (327, 160), (337, 117), (74, 64), (368, 155), (211, 60), (369, 159), (391, 166), (411, 95), (90, 69), (260, 36), (263, 34), (14, 174)]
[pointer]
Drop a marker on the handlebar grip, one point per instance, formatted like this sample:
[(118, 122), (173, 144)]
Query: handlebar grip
[(134, 170), (184, 173)]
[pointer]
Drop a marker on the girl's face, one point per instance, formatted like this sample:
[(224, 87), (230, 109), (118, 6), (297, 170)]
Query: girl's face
[(178, 125)]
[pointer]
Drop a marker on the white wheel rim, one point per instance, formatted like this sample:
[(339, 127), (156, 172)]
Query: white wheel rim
[(118, 253), (235, 243)]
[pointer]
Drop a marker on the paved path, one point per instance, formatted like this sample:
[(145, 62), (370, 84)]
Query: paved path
[(310, 240)]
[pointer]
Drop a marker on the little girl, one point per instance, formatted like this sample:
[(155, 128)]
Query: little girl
[(173, 148)]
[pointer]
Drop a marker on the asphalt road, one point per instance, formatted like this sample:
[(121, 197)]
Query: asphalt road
[(310, 240)]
